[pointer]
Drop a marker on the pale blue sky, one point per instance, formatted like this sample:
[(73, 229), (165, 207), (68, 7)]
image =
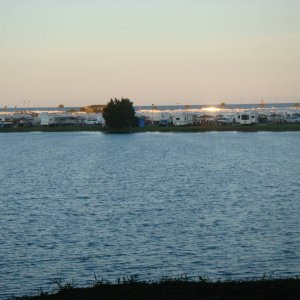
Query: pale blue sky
[(81, 52)]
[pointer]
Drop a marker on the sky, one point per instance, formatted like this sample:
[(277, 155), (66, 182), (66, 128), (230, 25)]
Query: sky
[(162, 52)]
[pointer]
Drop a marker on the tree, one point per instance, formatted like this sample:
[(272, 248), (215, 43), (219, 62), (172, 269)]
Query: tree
[(119, 114), (61, 107)]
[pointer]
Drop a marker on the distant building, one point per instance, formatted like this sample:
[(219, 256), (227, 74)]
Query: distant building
[(93, 108)]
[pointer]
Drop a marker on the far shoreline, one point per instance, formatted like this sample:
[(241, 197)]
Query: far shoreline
[(180, 129)]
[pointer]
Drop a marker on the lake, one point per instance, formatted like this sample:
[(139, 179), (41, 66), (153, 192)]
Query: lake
[(225, 205)]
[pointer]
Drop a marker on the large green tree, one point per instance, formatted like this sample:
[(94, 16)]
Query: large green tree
[(119, 114)]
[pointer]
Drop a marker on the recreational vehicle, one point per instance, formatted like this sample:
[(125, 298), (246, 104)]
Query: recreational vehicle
[(226, 119), (44, 119), (93, 120), (183, 119), (293, 119), (247, 118)]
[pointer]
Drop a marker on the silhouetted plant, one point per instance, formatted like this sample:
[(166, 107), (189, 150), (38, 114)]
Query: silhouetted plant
[(119, 114), (64, 287)]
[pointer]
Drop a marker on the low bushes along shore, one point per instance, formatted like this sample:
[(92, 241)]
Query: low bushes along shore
[(175, 289), (202, 128)]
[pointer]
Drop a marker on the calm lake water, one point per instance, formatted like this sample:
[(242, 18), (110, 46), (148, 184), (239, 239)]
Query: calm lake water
[(220, 204)]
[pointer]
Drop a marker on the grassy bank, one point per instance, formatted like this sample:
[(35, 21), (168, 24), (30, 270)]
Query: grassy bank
[(52, 129), (202, 128), (175, 289), (235, 127)]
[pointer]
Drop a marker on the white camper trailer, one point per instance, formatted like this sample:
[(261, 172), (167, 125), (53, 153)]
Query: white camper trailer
[(226, 119), (58, 119), (247, 118), (44, 119), (93, 119), (183, 119)]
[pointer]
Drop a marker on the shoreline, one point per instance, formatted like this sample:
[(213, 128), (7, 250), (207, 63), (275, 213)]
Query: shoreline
[(202, 128), (179, 288)]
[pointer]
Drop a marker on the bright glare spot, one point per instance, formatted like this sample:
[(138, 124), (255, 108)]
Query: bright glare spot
[(212, 109)]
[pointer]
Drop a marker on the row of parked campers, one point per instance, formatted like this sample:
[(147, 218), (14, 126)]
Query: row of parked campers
[(240, 118)]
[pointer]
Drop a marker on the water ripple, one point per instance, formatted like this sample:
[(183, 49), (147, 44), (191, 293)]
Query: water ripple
[(223, 205)]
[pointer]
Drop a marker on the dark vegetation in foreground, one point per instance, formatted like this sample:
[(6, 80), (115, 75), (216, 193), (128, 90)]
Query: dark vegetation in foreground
[(175, 289), (202, 128)]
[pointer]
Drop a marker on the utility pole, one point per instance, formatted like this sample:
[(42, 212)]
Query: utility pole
[(152, 114)]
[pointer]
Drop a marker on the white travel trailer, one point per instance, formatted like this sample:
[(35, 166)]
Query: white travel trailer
[(183, 119), (5, 121), (293, 119), (58, 119), (226, 119), (247, 118), (44, 119), (159, 117), (93, 120)]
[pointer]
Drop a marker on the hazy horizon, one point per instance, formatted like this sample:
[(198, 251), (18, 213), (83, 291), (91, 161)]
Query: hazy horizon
[(162, 52), (28, 104)]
